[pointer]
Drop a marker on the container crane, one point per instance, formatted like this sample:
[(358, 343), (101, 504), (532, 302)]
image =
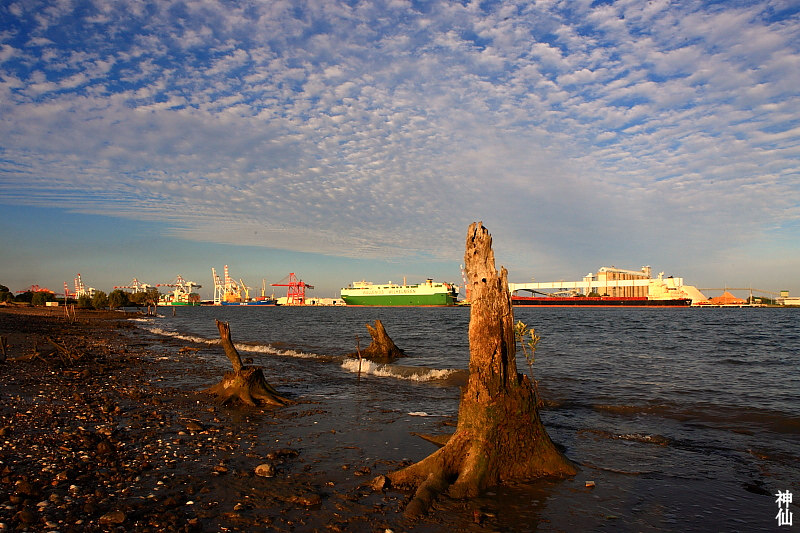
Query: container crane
[(81, 289), (227, 290), (136, 285), (296, 294), (180, 294)]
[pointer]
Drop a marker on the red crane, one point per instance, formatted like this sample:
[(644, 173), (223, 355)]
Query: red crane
[(296, 294), (36, 288)]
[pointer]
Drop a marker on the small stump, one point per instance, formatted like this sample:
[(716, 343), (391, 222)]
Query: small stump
[(246, 383), (382, 349)]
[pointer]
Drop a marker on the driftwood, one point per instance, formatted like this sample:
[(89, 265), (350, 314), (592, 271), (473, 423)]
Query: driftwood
[(3, 348), (246, 383), (499, 437), (52, 352), (382, 349)]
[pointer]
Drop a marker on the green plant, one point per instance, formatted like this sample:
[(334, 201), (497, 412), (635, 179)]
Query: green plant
[(528, 339)]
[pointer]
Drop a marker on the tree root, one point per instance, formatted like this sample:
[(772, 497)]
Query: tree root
[(246, 383), (247, 386)]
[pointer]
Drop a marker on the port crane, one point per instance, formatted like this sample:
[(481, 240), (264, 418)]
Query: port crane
[(227, 290), (35, 288), (180, 283), (136, 285), (296, 293), (81, 289)]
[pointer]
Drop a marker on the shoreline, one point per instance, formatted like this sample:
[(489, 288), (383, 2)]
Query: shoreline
[(122, 439)]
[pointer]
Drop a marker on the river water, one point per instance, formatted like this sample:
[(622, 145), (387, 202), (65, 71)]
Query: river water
[(685, 419)]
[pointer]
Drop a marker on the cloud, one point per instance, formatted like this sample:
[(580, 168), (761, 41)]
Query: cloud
[(380, 130)]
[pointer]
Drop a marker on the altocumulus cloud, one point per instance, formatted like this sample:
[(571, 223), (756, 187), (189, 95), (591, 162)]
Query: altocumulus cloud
[(379, 129)]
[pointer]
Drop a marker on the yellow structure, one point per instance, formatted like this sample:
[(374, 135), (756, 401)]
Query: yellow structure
[(607, 278)]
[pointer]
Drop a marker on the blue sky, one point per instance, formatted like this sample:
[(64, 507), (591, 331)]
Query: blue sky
[(357, 140)]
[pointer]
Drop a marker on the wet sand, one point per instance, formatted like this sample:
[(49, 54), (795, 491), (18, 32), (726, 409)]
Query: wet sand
[(120, 438)]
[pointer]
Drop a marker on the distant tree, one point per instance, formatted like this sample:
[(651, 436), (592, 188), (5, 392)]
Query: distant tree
[(84, 302), (594, 294), (194, 298), (5, 294), (152, 295), (39, 298), (26, 296), (118, 298), (100, 300), (137, 298)]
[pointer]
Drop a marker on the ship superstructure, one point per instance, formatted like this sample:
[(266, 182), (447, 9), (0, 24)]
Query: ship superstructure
[(610, 286)]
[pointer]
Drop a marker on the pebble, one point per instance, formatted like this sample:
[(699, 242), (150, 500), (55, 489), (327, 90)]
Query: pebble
[(265, 470)]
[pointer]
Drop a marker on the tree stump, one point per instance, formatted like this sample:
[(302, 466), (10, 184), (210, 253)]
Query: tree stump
[(245, 384), (382, 348), (499, 437)]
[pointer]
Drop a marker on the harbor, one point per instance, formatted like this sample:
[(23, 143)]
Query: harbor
[(609, 286)]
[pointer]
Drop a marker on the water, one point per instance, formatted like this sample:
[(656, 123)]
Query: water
[(686, 419)]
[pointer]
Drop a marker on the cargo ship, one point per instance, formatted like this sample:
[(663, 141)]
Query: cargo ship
[(597, 301), (256, 301), (610, 287), (429, 293)]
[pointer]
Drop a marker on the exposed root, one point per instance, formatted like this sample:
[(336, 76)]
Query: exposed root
[(247, 386), (246, 383), (428, 491)]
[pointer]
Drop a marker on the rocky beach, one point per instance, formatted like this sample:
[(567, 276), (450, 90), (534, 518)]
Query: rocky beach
[(102, 429)]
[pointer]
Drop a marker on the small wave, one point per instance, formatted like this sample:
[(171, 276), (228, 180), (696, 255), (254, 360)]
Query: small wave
[(633, 437), (421, 413), (412, 373), (242, 347)]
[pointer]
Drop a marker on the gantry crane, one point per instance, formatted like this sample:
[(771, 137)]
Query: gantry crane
[(136, 285), (81, 289), (227, 291), (180, 294), (296, 294)]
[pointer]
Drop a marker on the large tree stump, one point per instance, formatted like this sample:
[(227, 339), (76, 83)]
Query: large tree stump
[(499, 437), (245, 384), (382, 349)]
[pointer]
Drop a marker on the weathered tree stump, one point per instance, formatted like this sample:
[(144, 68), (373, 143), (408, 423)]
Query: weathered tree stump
[(499, 437), (382, 348), (245, 384)]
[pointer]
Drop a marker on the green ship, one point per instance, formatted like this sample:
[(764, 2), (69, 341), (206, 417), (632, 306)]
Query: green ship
[(429, 293)]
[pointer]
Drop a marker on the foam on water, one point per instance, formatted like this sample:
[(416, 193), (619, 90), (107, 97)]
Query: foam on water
[(411, 373), (242, 347)]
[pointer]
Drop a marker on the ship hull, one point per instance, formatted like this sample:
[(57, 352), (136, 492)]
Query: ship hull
[(415, 300), (600, 301), (430, 293), (254, 302)]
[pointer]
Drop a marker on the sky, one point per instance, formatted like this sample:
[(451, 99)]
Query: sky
[(350, 140)]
